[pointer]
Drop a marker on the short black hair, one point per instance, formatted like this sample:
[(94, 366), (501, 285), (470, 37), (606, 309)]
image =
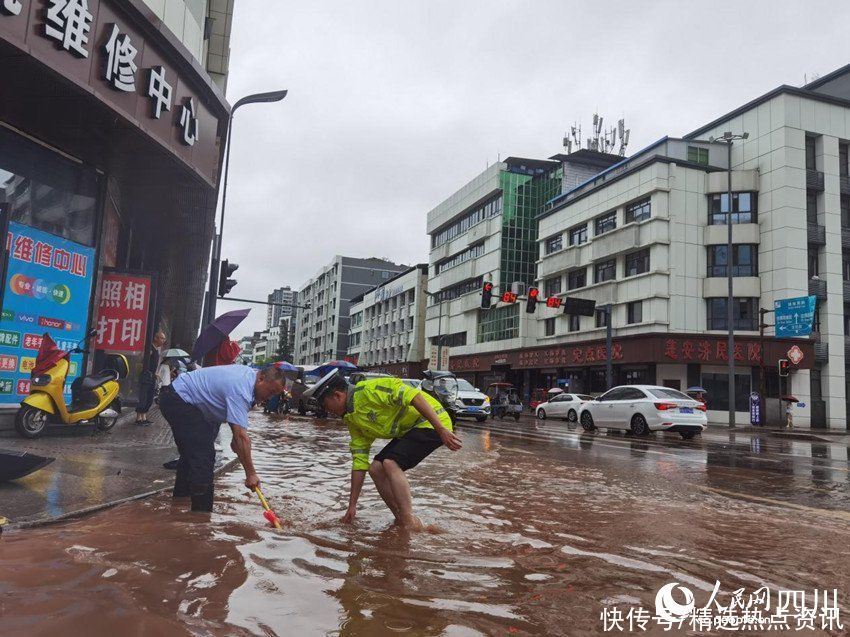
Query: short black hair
[(337, 383)]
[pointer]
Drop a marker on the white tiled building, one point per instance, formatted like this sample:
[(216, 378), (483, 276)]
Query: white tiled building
[(387, 331)]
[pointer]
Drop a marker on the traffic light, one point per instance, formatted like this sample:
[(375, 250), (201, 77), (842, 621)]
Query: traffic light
[(531, 304), (784, 366), (508, 297), (225, 283), (553, 301), (486, 294)]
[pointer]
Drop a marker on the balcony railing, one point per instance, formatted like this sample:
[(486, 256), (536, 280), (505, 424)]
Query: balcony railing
[(816, 234), (845, 238), (814, 180), (844, 182), (846, 348), (817, 287), (822, 353), (846, 291)]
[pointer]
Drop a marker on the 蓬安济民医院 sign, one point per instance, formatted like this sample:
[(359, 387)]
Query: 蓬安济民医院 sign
[(794, 317)]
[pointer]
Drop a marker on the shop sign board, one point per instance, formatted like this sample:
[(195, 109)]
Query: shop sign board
[(46, 290), (123, 312)]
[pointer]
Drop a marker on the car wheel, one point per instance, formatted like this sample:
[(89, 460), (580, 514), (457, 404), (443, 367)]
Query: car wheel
[(687, 435), (541, 414), (572, 416), (639, 426), (587, 422)]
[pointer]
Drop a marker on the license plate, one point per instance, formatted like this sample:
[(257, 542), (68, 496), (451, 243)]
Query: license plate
[(473, 409), (686, 410)]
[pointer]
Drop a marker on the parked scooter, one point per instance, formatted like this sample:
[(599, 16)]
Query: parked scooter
[(94, 399)]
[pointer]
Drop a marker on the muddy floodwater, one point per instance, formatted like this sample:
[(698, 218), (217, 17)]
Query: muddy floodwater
[(539, 536)]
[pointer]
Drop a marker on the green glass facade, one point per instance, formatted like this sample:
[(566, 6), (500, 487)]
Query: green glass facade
[(523, 198)]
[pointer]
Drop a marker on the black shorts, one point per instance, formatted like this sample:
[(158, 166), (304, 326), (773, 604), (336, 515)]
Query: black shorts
[(411, 449)]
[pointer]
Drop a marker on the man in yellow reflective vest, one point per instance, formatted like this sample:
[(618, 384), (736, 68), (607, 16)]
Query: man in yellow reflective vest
[(415, 423)]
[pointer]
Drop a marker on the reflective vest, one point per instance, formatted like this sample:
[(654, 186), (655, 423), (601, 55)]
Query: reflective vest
[(380, 408)]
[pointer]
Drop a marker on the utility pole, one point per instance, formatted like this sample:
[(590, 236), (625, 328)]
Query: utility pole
[(609, 369)]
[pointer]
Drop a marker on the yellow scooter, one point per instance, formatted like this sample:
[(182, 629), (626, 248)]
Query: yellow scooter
[(94, 399)]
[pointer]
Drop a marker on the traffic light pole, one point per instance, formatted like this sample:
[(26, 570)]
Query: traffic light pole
[(609, 368), (212, 293)]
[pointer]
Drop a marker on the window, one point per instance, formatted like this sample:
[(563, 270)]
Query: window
[(845, 268), (845, 212), (638, 376), (812, 207), (811, 157), (717, 388), (577, 279), (461, 257), (385, 274), (637, 262), (480, 213), (550, 326), (458, 290), (578, 235), (639, 210), (458, 339), (553, 244), (744, 314), (814, 263), (669, 393), (744, 260), (634, 312), (575, 323), (618, 393), (41, 189), (743, 208), (601, 318), (698, 155), (843, 169), (605, 223), (605, 271), (552, 286), (498, 324)]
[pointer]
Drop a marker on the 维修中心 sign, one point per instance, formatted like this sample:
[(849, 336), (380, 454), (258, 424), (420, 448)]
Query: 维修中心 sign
[(794, 317), (47, 290)]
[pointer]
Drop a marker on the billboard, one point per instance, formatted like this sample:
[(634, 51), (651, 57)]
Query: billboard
[(47, 289), (794, 317), (123, 312)]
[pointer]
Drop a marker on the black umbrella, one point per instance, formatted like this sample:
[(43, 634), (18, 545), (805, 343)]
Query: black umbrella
[(213, 334)]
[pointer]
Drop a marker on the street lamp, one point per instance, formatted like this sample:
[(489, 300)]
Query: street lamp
[(728, 138), (256, 98)]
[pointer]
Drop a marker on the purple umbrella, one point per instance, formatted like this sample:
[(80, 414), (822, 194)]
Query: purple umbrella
[(213, 334), (325, 368), (288, 369)]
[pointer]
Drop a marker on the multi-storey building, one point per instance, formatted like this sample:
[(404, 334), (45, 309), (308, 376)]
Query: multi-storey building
[(322, 318), (288, 297), (387, 331), (647, 237), (487, 231)]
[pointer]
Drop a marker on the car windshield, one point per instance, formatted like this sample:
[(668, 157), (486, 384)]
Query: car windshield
[(584, 397), (662, 392), (464, 385)]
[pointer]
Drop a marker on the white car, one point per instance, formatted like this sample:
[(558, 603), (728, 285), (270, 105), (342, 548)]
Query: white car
[(413, 382), (471, 402), (562, 406), (643, 409)]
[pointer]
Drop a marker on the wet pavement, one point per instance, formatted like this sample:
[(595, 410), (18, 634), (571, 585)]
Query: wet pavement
[(92, 468), (544, 527)]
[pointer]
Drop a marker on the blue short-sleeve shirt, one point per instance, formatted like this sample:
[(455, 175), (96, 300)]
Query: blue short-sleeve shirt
[(222, 394)]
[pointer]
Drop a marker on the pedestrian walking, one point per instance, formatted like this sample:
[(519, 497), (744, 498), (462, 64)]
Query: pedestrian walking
[(414, 422), (195, 404), (147, 379)]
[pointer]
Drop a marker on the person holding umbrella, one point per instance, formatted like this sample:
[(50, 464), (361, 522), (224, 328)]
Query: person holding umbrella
[(147, 379)]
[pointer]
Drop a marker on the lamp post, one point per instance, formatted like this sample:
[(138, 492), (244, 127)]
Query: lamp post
[(256, 98), (728, 138)]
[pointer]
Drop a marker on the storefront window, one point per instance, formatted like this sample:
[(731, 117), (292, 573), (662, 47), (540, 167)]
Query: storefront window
[(717, 388), (44, 191)]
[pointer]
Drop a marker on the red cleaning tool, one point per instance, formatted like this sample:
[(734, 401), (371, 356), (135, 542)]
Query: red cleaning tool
[(270, 515)]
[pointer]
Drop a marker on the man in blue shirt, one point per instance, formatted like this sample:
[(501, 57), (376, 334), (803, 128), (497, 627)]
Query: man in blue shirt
[(195, 404)]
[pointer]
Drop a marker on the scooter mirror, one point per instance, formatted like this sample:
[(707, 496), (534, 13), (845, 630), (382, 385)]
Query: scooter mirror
[(92, 333)]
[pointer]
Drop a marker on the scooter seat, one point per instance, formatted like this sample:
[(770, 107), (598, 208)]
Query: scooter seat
[(87, 383)]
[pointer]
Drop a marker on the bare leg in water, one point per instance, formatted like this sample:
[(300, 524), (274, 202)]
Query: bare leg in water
[(382, 483), (401, 496)]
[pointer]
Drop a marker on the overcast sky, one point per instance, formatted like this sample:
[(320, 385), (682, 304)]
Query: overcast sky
[(393, 105)]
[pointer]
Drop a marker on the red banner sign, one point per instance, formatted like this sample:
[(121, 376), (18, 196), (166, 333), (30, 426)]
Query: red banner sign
[(123, 312)]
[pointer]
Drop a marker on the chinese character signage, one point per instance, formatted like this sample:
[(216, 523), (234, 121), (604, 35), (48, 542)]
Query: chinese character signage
[(47, 289), (123, 312), (755, 409), (794, 317)]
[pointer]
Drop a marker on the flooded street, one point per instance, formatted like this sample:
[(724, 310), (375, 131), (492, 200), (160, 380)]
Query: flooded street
[(543, 528)]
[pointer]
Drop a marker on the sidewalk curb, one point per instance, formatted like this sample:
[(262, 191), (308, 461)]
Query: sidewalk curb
[(13, 526)]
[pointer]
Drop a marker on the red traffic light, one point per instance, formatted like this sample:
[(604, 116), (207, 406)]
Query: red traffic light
[(784, 366), (531, 303), (533, 293), (553, 301), (488, 287), (509, 297), (486, 294)]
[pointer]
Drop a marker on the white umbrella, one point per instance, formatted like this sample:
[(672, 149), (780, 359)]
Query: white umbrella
[(175, 353)]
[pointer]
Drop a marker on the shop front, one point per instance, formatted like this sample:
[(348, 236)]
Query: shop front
[(678, 361), (408, 369), (110, 148)]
